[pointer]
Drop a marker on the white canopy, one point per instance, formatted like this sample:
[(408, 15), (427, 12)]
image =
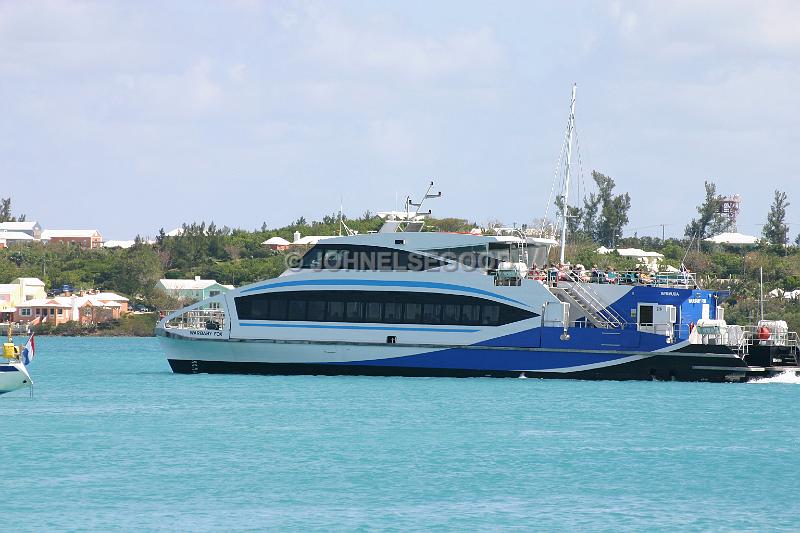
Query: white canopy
[(733, 238)]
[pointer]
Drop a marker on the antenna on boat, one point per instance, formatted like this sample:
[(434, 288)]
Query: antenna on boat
[(343, 227), (565, 196), (410, 203)]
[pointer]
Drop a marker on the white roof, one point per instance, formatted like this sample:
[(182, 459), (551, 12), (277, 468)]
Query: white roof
[(187, 284), (30, 281), (177, 232), (636, 252), (18, 226), (733, 238), (57, 301), (97, 302), (110, 296), (630, 252), (69, 301), (15, 236), (118, 244), (312, 239), (278, 241), (428, 240), (70, 233)]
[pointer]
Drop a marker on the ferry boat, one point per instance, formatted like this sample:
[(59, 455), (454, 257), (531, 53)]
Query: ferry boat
[(13, 364), (413, 303), (406, 302)]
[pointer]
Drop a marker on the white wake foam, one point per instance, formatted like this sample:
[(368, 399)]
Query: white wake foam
[(784, 377)]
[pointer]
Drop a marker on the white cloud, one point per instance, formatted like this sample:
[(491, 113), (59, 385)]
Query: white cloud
[(709, 26), (378, 45)]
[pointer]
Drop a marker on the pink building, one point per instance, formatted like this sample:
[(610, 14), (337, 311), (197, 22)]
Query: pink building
[(86, 238)]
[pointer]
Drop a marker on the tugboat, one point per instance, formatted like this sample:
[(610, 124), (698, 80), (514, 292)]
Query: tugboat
[(13, 365)]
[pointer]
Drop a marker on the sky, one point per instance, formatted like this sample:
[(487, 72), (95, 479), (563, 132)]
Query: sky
[(132, 116)]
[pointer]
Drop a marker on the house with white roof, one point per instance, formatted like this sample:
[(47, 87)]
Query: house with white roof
[(86, 238), (649, 259), (109, 297), (86, 309), (32, 228), (192, 289), (19, 291), (277, 243), (7, 238)]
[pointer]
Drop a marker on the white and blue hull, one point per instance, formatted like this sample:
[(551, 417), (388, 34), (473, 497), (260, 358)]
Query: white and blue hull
[(528, 347), (13, 377), (303, 357)]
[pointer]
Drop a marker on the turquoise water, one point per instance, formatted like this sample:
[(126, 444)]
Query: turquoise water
[(111, 440)]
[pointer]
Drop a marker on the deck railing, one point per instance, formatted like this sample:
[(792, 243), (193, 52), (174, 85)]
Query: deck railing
[(208, 319)]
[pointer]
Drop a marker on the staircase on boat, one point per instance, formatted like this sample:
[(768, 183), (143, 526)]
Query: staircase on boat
[(581, 294)]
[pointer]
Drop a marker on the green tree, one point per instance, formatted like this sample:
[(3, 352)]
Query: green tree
[(776, 231), (711, 221), (137, 270), (591, 205), (574, 218), (613, 210), (5, 212)]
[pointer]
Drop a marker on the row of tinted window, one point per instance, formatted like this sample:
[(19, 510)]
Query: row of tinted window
[(377, 307), (357, 257)]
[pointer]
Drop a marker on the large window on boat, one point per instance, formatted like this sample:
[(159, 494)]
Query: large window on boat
[(358, 257), (392, 307)]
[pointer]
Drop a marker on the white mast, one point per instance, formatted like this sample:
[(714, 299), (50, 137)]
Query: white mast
[(570, 132), (761, 291)]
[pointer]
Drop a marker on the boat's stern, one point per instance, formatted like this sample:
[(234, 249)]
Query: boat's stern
[(194, 332)]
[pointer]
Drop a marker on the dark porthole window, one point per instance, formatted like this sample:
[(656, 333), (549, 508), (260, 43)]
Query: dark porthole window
[(470, 314), (432, 314), (451, 314), (373, 312), (297, 310), (260, 309), (490, 315), (336, 311), (393, 312), (412, 313), (277, 309), (389, 307), (315, 311), (354, 311)]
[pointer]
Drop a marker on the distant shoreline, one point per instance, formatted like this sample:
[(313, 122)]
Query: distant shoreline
[(130, 325)]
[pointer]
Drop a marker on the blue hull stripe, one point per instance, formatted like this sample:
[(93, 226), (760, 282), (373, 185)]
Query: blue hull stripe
[(6, 368), (493, 360), (384, 283), (374, 328)]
